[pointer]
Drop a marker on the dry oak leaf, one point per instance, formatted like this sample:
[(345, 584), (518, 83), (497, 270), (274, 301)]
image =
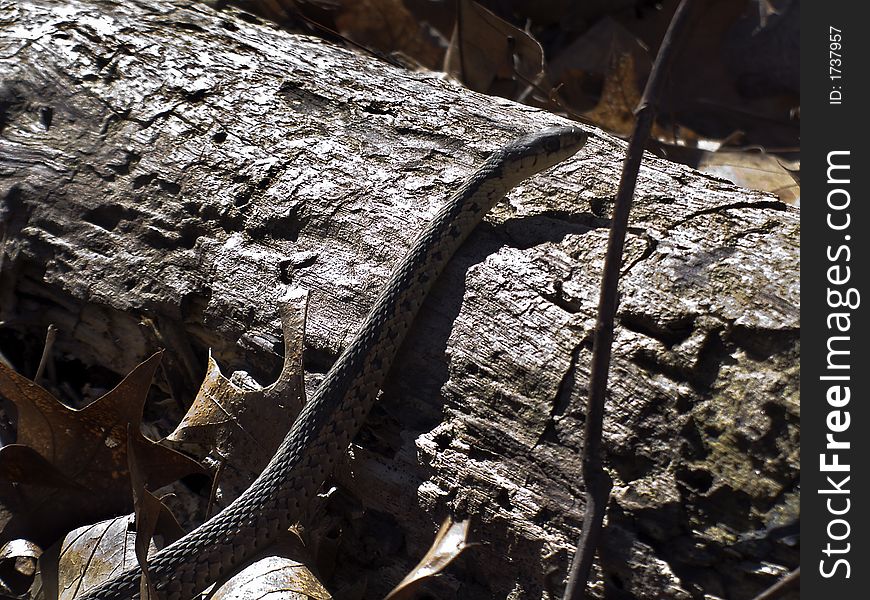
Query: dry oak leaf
[(239, 424), (84, 476), (90, 555)]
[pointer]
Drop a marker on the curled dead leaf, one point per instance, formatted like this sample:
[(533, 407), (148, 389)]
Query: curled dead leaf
[(449, 543), (18, 560)]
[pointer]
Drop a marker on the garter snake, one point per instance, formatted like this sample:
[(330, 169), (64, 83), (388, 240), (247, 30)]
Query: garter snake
[(319, 437)]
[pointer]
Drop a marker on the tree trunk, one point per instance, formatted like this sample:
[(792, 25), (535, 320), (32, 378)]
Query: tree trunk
[(169, 171)]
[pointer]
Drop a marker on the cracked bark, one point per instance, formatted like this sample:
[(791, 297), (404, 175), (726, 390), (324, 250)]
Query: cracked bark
[(169, 171)]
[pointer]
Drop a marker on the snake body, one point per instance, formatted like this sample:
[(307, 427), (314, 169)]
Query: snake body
[(319, 437)]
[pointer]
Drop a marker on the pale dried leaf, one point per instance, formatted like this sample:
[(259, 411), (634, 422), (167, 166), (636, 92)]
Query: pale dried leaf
[(90, 555), (275, 577), (754, 170), (449, 543), (18, 560)]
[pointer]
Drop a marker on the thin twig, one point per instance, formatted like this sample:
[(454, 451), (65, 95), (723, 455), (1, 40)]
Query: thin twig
[(596, 480), (50, 335), (215, 482), (788, 583)]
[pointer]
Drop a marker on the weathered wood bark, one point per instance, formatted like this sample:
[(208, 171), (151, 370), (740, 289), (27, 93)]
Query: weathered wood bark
[(169, 171)]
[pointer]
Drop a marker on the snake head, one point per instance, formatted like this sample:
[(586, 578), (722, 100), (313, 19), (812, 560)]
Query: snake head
[(535, 152)]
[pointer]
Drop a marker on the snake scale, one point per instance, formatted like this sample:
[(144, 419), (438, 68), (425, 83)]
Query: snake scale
[(282, 494)]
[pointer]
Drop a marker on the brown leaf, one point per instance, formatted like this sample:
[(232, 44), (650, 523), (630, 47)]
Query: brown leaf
[(241, 427), (147, 509), (449, 543), (88, 477), (490, 55), (23, 464)]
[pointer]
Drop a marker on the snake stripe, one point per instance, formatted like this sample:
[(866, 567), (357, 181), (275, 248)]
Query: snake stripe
[(282, 494)]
